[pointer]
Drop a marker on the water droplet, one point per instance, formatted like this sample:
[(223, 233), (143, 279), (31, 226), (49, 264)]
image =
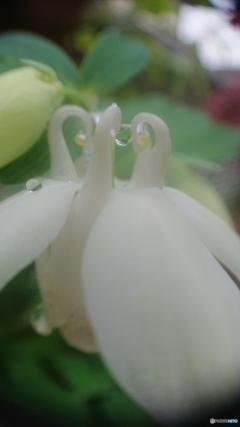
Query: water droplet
[(80, 138), (39, 321), (33, 185), (123, 136)]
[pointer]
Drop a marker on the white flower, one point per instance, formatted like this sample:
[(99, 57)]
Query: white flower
[(132, 272)]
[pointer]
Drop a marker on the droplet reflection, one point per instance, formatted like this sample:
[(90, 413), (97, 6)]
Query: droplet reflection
[(123, 136)]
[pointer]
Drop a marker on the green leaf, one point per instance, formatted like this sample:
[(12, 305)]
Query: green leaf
[(34, 162), (17, 297), (193, 133), (113, 60), (21, 45), (180, 176), (130, 416), (33, 388), (8, 63), (155, 7), (57, 385)]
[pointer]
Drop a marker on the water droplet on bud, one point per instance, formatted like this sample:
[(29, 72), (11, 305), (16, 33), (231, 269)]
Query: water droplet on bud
[(33, 185)]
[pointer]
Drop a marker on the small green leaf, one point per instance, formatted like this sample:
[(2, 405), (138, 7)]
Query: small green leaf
[(193, 133), (21, 45), (113, 60)]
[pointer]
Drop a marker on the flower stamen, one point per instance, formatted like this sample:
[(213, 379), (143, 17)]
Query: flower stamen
[(80, 138), (99, 174), (143, 138), (154, 168), (62, 166)]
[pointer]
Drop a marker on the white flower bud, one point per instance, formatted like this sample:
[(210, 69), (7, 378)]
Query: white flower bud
[(27, 99)]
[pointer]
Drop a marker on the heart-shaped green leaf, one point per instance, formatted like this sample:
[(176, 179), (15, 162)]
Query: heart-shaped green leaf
[(20, 45), (193, 133), (113, 60)]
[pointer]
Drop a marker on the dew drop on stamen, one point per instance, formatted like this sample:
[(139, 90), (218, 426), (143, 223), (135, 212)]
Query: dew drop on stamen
[(39, 321), (143, 139), (33, 185), (123, 136), (80, 138)]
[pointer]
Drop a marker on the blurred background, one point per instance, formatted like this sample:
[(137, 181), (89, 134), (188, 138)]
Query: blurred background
[(192, 80)]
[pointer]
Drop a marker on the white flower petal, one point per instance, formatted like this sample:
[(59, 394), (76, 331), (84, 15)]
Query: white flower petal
[(29, 222), (58, 270), (62, 166), (61, 308), (153, 171), (220, 239), (78, 333), (165, 314), (61, 290)]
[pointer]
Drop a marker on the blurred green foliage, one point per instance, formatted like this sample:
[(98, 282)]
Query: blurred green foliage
[(48, 381)]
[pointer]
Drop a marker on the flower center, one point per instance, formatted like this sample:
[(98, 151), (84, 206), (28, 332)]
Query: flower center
[(96, 152)]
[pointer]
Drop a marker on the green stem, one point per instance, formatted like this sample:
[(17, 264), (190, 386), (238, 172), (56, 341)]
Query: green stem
[(74, 96)]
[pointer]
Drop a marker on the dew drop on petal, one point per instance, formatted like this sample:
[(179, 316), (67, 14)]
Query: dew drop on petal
[(39, 321), (123, 136), (33, 184)]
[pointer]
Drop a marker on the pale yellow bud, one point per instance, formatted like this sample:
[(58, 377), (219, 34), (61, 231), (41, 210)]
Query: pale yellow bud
[(28, 96)]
